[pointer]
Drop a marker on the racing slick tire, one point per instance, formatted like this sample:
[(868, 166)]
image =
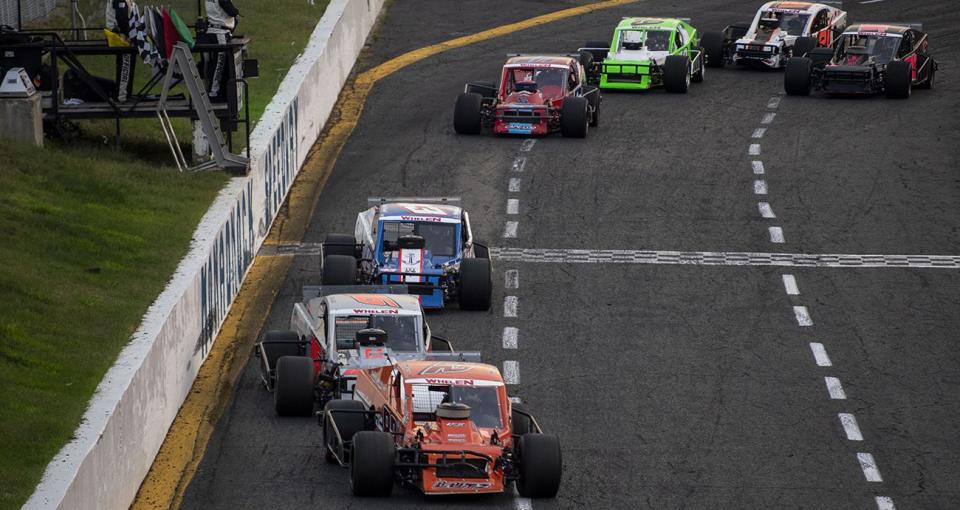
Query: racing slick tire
[(293, 392), (701, 68), (347, 423), (541, 465), (803, 45), (466, 113), (713, 44), (585, 58), (676, 74), (371, 465), (796, 79), (476, 287), (574, 117), (484, 88), (593, 98), (898, 80), (928, 83), (339, 270), (339, 244)]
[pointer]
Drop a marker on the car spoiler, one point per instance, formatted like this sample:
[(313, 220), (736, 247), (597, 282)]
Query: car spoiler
[(315, 291), (909, 24), (375, 201), (571, 55), (466, 356), (837, 4)]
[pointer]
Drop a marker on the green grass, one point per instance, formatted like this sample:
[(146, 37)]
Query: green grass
[(90, 236)]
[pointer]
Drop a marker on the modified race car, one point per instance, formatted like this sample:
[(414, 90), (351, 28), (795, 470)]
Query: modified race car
[(425, 244), (870, 59), (440, 428), (779, 30), (537, 95), (646, 53)]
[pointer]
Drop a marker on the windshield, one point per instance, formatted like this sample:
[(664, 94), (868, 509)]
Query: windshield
[(483, 401), (402, 331), (857, 49), (440, 238), (651, 40), (790, 23), (547, 80)]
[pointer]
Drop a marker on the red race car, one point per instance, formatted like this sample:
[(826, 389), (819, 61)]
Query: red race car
[(537, 95)]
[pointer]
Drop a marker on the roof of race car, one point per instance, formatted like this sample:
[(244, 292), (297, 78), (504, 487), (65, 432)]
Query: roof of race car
[(779, 6), (373, 304), (402, 211), (869, 28), (539, 61), (648, 23), (449, 372)]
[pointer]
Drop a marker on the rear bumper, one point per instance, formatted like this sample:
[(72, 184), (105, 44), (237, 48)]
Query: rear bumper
[(628, 75), (758, 57)]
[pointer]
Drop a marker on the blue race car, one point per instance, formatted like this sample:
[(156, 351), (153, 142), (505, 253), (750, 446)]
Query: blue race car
[(423, 243)]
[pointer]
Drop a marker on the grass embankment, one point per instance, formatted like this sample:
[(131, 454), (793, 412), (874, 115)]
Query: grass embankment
[(90, 236)]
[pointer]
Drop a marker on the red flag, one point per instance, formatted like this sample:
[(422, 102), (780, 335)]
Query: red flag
[(170, 35)]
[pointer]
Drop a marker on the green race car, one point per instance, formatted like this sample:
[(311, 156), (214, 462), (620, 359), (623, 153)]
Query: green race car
[(646, 53)]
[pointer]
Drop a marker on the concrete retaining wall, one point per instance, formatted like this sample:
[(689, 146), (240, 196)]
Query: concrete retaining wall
[(138, 398)]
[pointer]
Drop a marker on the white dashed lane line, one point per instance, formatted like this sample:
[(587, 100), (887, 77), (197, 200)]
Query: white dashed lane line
[(802, 315), (757, 167), (754, 149), (518, 164), (776, 235), (511, 372), (869, 467), (511, 279), (834, 388), (514, 186), (513, 206), (850, 427), (820, 355), (773, 102), (885, 503), (768, 118), (510, 306), (510, 335), (760, 187), (790, 285), (510, 230), (528, 144), (758, 133), (765, 210)]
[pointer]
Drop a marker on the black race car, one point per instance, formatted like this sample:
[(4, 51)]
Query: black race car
[(870, 59)]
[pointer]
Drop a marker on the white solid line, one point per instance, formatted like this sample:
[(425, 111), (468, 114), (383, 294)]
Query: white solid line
[(511, 372), (765, 210), (528, 144), (776, 235), (760, 187), (768, 118), (885, 503), (790, 285), (513, 206), (518, 164), (754, 149), (835, 388), (850, 426), (802, 315), (510, 337), (510, 230), (758, 133), (511, 279), (774, 102), (510, 306), (757, 167), (820, 354), (869, 467), (514, 185), (516, 400)]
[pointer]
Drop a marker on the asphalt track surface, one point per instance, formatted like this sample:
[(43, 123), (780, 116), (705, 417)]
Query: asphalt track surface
[(670, 386)]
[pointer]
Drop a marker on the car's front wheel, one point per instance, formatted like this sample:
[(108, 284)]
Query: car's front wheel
[(898, 79), (796, 78), (676, 74), (574, 117)]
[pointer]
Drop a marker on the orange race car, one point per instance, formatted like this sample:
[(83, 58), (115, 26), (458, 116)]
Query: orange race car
[(443, 427)]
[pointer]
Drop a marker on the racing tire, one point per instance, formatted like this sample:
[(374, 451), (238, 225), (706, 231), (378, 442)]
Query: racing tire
[(520, 424), (293, 392), (574, 117), (701, 69), (929, 82), (371, 465), (476, 286), (466, 113), (484, 88), (796, 78), (593, 98), (803, 45), (898, 80), (586, 58), (676, 74), (339, 270), (714, 44), (541, 465), (348, 424), (339, 244)]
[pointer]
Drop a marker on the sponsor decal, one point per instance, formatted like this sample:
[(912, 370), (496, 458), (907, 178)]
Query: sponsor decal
[(445, 368), (455, 382), (443, 484), (419, 218), (374, 311), (456, 424)]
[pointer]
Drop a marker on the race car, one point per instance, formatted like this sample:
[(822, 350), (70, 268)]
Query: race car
[(870, 59), (425, 244), (646, 53), (440, 428), (537, 95), (779, 30), (316, 360)]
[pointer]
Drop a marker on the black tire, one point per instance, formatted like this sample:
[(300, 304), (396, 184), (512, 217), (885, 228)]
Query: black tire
[(293, 393), (803, 45), (676, 74), (520, 423), (701, 68), (541, 465), (476, 286), (466, 113), (347, 424), (928, 83), (593, 99), (714, 45), (371, 468), (277, 344), (574, 117), (484, 88), (898, 80), (339, 270), (339, 244), (586, 58), (796, 78)]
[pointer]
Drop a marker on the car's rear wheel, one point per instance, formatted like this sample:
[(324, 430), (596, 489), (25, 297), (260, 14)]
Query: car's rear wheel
[(476, 286), (348, 424), (339, 244), (713, 44), (796, 78), (574, 117), (371, 467), (593, 98), (541, 465), (676, 74), (293, 392), (898, 79), (339, 270), (931, 74), (466, 113), (701, 68), (803, 45)]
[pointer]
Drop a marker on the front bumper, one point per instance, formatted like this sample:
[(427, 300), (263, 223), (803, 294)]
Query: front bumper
[(521, 120), (849, 80)]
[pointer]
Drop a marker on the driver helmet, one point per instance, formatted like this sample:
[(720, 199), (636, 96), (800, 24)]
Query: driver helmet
[(658, 40), (632, 40)]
